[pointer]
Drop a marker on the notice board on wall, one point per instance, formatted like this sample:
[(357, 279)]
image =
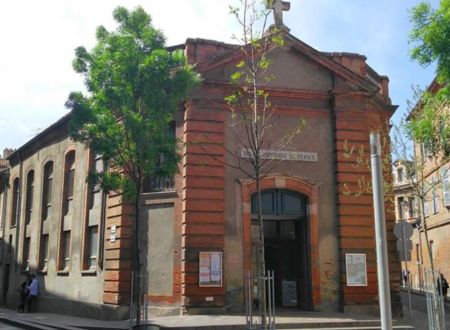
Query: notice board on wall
[(356, 269), (210, 268)]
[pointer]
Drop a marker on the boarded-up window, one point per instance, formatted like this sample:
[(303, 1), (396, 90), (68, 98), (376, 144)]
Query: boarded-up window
[(65, 251), (93, 246), (43, 255)]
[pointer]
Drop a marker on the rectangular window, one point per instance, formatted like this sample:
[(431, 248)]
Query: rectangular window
[(93, 216), (400, 175), (29, 197), (10, 245), (15, 202), (65, 249), (426, 209), (401, 213), (160, 182), (445, 175), (93, 246), (411, 206), (435, 196), (26, 254), (432, 248), (417, 254), (43, 256)]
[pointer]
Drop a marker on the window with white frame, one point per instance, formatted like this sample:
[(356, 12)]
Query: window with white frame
[(435, 195)]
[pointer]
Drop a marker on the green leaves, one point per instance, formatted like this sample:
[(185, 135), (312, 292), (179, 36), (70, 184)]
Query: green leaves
[(431, 37), (430, 125), (135, 86)]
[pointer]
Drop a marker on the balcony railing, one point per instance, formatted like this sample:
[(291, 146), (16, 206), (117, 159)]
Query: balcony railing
[(159, 184)]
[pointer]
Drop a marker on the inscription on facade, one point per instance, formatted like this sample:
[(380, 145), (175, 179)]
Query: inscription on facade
[(283, 155)]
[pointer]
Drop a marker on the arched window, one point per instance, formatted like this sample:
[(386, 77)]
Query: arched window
[(91, 236), (29, 197), (280, 203), (69, 180), (47, 190), (15, 202)]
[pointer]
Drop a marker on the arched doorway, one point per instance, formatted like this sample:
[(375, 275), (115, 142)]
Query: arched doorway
[(286, 245)]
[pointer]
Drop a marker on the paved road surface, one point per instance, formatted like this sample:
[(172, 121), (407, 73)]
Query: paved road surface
[(419, 306), (4, 326)]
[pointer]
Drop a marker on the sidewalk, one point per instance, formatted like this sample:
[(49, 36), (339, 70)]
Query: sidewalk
[(46, 321), (303, 320)]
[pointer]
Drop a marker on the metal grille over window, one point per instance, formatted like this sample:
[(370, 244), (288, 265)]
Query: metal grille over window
[(159, 184)]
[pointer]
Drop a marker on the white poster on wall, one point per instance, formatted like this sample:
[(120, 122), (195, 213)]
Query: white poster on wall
[(210, 268), (356, 269)]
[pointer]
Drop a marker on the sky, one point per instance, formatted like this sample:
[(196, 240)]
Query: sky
[(38, 39)]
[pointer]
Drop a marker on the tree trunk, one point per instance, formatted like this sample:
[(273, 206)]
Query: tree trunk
[(435, 289), (261, 261)]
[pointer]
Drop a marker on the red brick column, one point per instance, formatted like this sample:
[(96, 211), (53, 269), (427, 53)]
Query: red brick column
[(203, 200), (354, 200), (117, 268), (354, 119)]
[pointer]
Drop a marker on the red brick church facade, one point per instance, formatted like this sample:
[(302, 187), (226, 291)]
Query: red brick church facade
[(317, 212), (342, 99)]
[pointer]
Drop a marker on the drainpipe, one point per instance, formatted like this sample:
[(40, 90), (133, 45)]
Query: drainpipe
[(102, 225), (102, 231)]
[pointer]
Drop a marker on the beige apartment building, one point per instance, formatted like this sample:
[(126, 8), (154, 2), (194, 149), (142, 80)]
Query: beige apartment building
[(436, 175)]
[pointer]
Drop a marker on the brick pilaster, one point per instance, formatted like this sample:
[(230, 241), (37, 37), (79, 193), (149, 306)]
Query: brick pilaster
[(203, 200), (356, 230), (118, 262)]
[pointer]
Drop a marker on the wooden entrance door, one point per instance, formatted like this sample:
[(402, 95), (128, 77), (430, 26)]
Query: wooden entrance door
[(287, 248)]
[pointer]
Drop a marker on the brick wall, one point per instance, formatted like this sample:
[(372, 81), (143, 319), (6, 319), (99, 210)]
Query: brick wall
[(203, 200), (118, 262), (354, 198)]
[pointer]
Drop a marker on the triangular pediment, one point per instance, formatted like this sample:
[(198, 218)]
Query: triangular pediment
[(295, 65)]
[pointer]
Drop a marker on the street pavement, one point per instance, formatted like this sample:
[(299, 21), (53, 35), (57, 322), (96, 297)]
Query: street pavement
[(4, 326), (304, 320), (419, 317), (51, 321)]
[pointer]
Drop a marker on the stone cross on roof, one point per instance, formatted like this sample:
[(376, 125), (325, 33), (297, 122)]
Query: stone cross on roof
[(278, 7)]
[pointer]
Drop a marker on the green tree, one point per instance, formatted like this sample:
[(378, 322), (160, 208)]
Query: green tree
[(430, 40), (429, 122), (135, 86)]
